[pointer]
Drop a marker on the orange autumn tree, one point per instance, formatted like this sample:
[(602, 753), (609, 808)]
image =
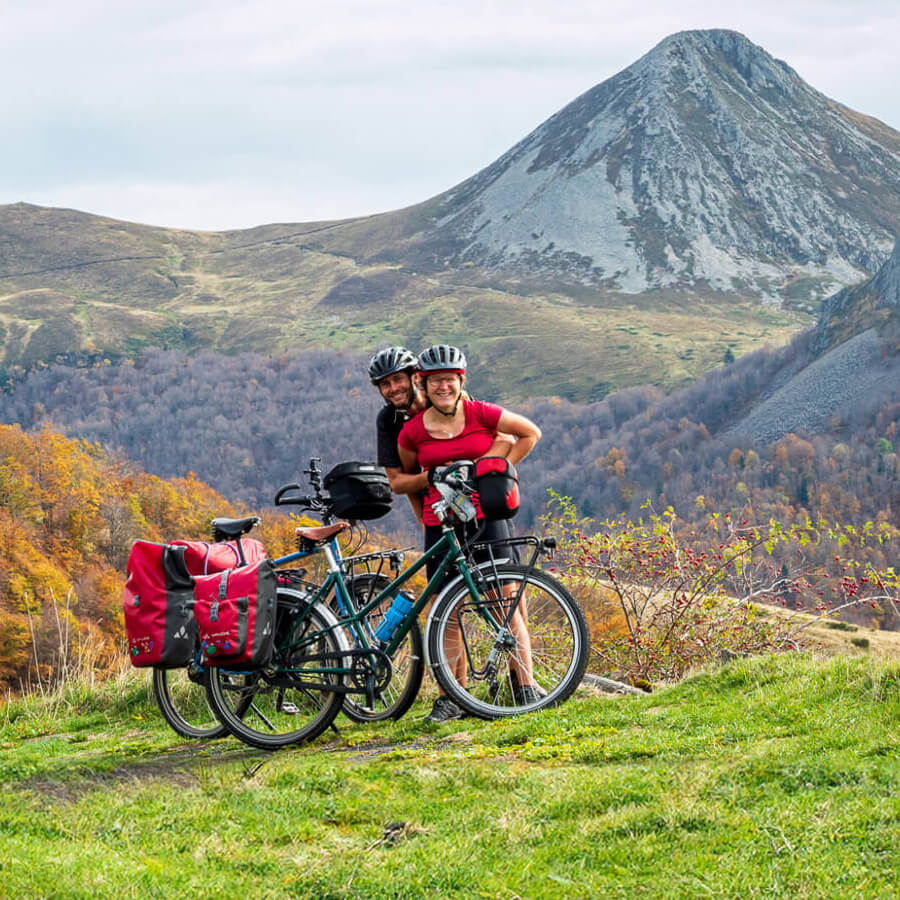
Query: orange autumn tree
[(68, 515)]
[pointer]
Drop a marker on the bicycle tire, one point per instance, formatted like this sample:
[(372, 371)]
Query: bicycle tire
[(408, 660), (559, 644), (181, 697), (269, 708)]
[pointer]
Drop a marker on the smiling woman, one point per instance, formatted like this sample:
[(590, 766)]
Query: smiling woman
[(454, 427)]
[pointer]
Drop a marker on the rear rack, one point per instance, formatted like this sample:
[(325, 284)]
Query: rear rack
[(538, 545)]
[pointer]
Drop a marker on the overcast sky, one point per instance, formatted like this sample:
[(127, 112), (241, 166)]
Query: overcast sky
[(214, 115)]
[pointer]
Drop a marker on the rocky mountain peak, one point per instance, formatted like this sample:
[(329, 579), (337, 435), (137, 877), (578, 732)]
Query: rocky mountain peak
[(706, 163), (719, 57), (739, 55)]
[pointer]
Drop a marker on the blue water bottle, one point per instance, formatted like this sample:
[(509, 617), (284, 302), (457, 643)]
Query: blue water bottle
[(400, 608)]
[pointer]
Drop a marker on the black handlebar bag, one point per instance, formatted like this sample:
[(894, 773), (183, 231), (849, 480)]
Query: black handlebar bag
[(359, 490), (497, 483)]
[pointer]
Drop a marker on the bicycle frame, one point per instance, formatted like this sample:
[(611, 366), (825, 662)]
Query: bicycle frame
[(337, 562), (446, 546), (329, 634), (352, 616)]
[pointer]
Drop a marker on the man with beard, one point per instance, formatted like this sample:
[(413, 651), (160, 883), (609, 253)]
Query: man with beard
[(391, 370)]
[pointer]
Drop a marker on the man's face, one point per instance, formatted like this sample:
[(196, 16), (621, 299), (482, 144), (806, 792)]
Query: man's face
[(397, 389)]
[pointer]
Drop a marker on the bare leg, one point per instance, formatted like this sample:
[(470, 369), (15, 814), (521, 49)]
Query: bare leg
[(455, 652), (520, 663)]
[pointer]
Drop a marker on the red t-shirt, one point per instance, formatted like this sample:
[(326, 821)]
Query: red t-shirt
[(472, 442)]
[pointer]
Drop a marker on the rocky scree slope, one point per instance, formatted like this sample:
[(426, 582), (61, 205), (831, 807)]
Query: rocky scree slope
[(705, 163), (874, 303), (854, 360)]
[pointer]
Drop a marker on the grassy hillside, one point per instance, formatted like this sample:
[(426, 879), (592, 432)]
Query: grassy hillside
[(75, 285), (772, 777)]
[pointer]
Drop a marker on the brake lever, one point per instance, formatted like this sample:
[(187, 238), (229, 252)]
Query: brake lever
[(458, 483)]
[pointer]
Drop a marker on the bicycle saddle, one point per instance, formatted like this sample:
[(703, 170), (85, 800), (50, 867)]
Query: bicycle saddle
[(234, 527), (322, 534)]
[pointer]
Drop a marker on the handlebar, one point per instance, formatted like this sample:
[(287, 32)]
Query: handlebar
[(457, 475), (283, 490), (289, 494), (285, 498), (303, 500)]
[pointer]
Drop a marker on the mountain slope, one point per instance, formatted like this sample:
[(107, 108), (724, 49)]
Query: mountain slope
[(783, 430), (852, 359), (638, 228), (76, 287), (873, 304), (829, 386), (707, 161)]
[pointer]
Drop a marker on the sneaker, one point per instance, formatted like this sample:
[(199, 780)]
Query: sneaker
[(525, 698), (444, 710), (526, 694)]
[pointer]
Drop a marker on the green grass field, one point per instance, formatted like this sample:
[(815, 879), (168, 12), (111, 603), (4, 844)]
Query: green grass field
[(773, 777)]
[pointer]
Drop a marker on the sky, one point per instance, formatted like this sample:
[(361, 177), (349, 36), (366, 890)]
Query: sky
[(223, 115)]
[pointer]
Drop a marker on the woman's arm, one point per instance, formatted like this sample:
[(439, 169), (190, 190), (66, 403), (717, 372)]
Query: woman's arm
[(503, 443), (527, 434)]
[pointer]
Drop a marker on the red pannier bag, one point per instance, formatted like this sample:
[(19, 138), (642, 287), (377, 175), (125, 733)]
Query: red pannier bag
[(235, 613), (158, 601), (497, 483), (202, 557)]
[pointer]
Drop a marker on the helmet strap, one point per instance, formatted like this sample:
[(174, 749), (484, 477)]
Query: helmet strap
[(449, 415)]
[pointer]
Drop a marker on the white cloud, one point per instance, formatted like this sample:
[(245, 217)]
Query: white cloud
[(124, 106)]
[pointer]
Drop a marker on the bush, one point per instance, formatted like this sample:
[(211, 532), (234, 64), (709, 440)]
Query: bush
[(662, 599)]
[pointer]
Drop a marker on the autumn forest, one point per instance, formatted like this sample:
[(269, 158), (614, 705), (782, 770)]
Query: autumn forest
[(153, 448)]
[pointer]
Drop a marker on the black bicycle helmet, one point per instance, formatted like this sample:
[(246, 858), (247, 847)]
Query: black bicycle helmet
[(391, 359), (442, 357)]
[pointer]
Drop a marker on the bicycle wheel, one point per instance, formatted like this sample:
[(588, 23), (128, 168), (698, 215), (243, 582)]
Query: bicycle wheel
[(493, 672), (408, 661), (181, 697), (294, 699)]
